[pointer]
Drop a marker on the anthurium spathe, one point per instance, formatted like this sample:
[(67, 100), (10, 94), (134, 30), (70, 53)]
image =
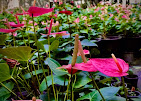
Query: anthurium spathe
[(37, 11), (109, 67), (65, 12), (9, 30), (85, 66), (13, 24)]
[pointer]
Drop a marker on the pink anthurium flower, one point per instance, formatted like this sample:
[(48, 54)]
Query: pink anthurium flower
[(63, 33), (77, 20), (111, 15), (96, 10), (84, 51), (116, 19), (91, 16), (111, 67), (37, 11), (13, 24), (47, 6), (9, 30), (125, 17), (60, 2), (102, 8), (85, 66), (78, 6), (55, 0)]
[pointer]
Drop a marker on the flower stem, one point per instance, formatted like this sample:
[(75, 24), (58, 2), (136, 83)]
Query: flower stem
[(125, 90), (10, 90), (95, 85), (17, 86), (36, 75)]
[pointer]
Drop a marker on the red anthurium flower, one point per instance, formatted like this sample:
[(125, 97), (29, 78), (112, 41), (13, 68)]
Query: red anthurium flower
[(66, 12), (8, 30), (37, 11), (85, 66), (69, 67), (111, 67)]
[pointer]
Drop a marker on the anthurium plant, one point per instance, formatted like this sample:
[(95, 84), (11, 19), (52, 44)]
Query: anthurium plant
[(45, 54)]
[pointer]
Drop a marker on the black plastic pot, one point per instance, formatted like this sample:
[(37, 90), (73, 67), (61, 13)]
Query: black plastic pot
[(112, 44), (131, 44), (133, 94), (131, 80)]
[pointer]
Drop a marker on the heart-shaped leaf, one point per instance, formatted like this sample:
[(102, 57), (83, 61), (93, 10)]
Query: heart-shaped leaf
[(56, 80), (54, 45), (86, 42), (4, 72), (4, 91), (82, 80), (95, 96), (53, 65), (22, 53)]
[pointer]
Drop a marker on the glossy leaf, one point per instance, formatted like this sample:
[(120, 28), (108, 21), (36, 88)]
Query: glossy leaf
[(84, 31), (22, 53), (40, 45), (4, 72), (53, 65), (2, 39), (4, 91), (86, 42), (82, 80), (106, 92), (56, 80), (54, 45)]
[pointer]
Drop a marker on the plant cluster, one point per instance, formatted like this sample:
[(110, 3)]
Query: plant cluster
[(36, 42)]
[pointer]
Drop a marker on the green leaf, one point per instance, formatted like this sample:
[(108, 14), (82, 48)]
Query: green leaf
[(27, 76), (106, 92), (4, 91), (53, 65), (54, 45), (56, 80), (22, 53), (2, 39), (84, 31), (5, 97), (82, 80), (4, 72), (116, 98), (40, 45), (86, 42)]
